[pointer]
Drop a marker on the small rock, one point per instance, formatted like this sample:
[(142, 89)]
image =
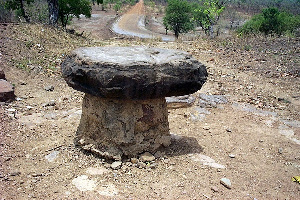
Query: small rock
[(21, 82), (52, 156), (116, 165), (206, 128), (49, 88), (134, 160), (231, 155), (153, 165), (280, 150), (14, 173), (36, 175), (11, 110), (7, 92), (159, 154), (147, 157), (214, 189), (29, 107), (50, 103), (226, 182), (228, 130), (83, 183), (96, 171), (141, 165)]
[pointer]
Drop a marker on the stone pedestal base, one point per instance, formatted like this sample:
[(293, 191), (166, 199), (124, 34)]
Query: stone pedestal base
[(113, 128)]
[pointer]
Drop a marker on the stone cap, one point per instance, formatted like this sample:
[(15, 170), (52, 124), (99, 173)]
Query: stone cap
[(133, 72)]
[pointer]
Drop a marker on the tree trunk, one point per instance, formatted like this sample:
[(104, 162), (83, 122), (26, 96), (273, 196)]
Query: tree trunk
[(53, 12), (211, 31), (23, 11)]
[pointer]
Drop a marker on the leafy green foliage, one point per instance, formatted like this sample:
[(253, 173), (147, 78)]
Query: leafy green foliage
[(69, 8), (178, 16), (207, 13), (18, 6), (117, 6), (271, 21)]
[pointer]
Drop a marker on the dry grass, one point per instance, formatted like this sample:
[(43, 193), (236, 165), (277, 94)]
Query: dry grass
[(29, 46)]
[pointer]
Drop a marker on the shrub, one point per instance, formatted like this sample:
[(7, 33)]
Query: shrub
[(271, 21)]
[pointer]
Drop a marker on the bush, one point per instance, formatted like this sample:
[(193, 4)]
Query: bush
[(5, 14), (271, 21)]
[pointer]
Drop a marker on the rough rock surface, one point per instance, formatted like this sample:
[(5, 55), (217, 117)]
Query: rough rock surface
[(6, 91), (2, 74), (133, 72), (113, 128)]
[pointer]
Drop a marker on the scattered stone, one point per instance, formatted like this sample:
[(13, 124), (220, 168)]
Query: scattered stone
[(96, 170), (180, 101), (280, 150), (206, 128), (116, 165), (11, 110), (141, 165), (29, 107), (147, 157), (52, 156), (49, 88), (7, 92), (214, 189), (231, 155), (159, 154), (50, 103), (21, 82), (36, 175), (153, 165), (134, 160), (226, 182), (14, 173), (206, 100), (108, 190), (83, 183), (205, 160), (228, 130)]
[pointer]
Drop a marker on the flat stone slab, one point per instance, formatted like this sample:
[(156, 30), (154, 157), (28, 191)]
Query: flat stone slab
[(133, 72), (6, 91)]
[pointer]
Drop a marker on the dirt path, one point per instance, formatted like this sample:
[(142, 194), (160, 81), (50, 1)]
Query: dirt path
[(132, 24)]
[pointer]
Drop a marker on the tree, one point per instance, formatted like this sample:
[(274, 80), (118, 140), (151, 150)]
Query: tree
[(18, 5), (53, 12), (70, 8), (178, 17), (208, 14)]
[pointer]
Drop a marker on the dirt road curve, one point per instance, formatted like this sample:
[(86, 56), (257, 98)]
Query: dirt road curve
[(132, 24)]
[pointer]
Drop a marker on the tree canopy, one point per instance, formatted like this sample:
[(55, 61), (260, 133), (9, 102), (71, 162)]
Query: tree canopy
[(18, 5), (178, 16), (206, 14), (69, 8), (271, 21)]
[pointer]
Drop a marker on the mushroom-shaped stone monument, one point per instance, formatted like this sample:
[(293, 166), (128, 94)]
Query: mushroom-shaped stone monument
[(124, 111)]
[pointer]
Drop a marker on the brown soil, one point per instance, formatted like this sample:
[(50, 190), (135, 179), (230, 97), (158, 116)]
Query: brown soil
[(255, 136)]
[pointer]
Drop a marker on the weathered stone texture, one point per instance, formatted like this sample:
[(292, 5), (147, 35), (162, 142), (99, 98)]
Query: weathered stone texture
[(2, 74), (6, 91), (133, 72), (113, 128)]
